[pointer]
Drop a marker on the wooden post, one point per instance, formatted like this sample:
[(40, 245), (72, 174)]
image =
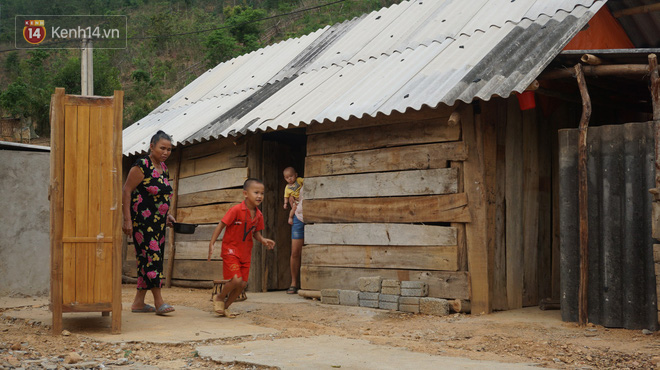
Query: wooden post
[(655, 98), (170, 239), (118, 103), (56, 206), (583, 196)]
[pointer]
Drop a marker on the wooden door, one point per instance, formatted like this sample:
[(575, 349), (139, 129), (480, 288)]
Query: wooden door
[(86, 205)]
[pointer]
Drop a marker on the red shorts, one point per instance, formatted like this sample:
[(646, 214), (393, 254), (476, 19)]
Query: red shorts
[(232, 266)]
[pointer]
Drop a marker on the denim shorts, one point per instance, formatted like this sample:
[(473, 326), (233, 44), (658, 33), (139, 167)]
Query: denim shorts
[(298, 229)]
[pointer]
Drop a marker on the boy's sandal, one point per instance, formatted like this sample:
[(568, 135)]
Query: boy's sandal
[(164, 309), (228, 314), (219, 307), (146, 308), (292, 290)]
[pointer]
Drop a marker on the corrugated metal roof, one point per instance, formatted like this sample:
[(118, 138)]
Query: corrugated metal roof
[(409, 55), (10, 145)]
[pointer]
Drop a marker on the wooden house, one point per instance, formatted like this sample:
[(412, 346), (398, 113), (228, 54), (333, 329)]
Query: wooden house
[(419, 163)]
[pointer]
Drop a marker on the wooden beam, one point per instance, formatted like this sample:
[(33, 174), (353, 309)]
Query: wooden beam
[(431, 208), (380, 234), (412, 157), (601, 70), (232, 157), (196, 250), (637, 10), (420, 132), (476, 231), (397, 257), (583, 197), (118, 114), (591, 59), (400, 183), (439, 113), (655, 99), (172, 211), (442, 284), (56, 197), (202, 232), (213, 146), (230, 178), (530, 210)]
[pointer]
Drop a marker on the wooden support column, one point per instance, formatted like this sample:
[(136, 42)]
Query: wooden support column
[(56, 196), (118, 217), (258, 274), (170, 239), (583, 197), (655, 98), (479, 264)]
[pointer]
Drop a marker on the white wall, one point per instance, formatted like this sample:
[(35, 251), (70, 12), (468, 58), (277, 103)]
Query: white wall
[(24, 223)]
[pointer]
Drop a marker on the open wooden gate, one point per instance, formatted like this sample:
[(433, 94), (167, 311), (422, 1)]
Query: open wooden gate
[(85, 213)]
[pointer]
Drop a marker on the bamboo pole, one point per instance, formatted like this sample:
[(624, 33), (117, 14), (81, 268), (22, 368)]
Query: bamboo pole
[(601, 70), (170, 239), (583, 196), (637, 10), (591, 59)]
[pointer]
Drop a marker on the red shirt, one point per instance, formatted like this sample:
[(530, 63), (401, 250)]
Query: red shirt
[(238, 233)]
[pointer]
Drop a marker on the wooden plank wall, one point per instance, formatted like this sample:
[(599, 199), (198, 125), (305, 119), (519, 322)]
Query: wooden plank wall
[(211, 179), (380, 194)]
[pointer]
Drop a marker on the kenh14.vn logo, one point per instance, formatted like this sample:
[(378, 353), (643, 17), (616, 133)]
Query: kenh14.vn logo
[(34, 31)]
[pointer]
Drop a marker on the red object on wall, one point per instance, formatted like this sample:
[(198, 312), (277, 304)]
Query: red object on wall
[(604, 32), (526, 100)]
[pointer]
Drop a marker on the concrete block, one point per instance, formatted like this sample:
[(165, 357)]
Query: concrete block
[(329, 300), (412, 292), (391, 283), (329, 293), (369, 303), (390, 290), (434, 306), (414, 284), (409, 300), (394, 306), (348, 297), (370, 284), (414, 308), (368, 296), (388, 298)]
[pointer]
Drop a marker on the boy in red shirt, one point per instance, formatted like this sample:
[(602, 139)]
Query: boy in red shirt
[(243, 222)]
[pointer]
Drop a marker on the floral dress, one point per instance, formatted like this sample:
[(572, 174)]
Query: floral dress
[(150, 202)]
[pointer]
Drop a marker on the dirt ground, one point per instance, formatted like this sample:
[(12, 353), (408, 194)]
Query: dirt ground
[(529, 337)]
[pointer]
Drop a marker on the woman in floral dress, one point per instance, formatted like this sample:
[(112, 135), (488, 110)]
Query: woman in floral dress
[(146, 201)]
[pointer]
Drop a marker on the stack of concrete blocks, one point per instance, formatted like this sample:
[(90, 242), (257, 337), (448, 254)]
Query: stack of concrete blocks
[(390, 293), (411, 293), (330, 296), (369, 295)]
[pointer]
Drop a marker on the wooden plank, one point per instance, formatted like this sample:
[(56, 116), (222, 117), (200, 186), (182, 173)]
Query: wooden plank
[(203, 214), (530, 214), (380, 234), (56, 197), (400, 183), (442, 284), (429, 131), (197, 270), (202, 232), (544, 242), (233, 177), (211, 196), (196, 250), (254, 149), (78, 100), (431, 208), (499, 109), (106, 190), (212, 147), (413, 157), (476, 232), (391, 257), (117, 116), (460, 227), (172, 211), (513, 209), (94, 284), (232, 157), (440, 114), (82, 211)]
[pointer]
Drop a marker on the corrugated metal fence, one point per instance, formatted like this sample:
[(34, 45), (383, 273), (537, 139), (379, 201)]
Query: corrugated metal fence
[(621, 276)]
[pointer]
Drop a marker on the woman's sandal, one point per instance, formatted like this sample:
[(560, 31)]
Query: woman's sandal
[(164, 309), (292, 290), (145, 309)]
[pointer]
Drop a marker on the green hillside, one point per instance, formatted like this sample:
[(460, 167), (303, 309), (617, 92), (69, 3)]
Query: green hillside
[(171, 42)]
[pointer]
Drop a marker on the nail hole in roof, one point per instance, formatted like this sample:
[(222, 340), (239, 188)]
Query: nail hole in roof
[(443, 20), (461, 47), (391, 35), (302, 83), (339, 52), (352, 103), (402, 60), (477, 80), (341, 75), (406, 96), (378, 17), (293, 112)]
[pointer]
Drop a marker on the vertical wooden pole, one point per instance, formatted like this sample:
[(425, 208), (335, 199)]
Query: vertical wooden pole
[(583, 197), (118, 103), (56, 195), (170, 240), (655, 98)]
